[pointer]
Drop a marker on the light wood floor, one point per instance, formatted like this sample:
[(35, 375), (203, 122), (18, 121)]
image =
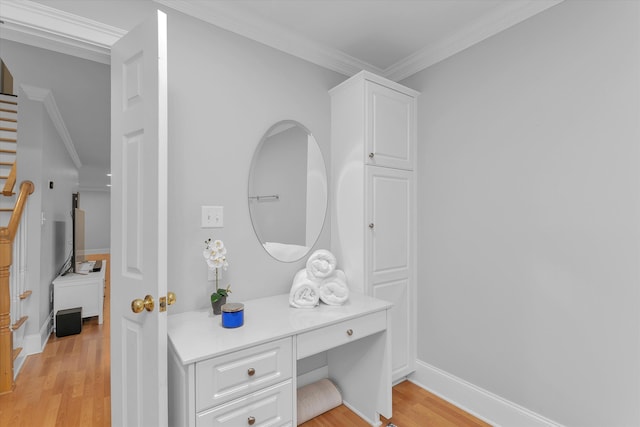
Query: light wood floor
[(69, 385), (412, 407)]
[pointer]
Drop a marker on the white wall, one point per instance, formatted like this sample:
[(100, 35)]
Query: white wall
[(57, 167), (42, 158), (30, 157), (225, 92), (96, 204), (528, 214)]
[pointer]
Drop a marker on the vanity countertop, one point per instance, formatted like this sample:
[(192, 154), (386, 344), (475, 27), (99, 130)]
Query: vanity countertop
[(198, 335)]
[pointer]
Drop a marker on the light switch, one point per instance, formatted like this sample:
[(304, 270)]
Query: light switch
[(212, 216)]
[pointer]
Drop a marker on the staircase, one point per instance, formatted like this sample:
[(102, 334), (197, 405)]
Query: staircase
[(13, 295), (8, 144)]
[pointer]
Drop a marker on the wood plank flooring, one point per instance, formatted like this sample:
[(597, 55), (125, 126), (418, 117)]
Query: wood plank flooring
[(66, 385), (412, 407), (69, 385)]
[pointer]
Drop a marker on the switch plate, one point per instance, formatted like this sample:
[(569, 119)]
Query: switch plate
[(212, 216)]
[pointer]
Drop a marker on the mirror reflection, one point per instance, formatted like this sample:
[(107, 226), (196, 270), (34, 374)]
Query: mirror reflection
[(287, 191)]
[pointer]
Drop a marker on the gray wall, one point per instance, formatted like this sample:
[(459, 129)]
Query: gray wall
[(528, 214), (43, 158), (225, 92), (56, 205), (96, 204)]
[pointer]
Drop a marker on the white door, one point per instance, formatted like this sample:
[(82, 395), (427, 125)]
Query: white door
[(139, 225)]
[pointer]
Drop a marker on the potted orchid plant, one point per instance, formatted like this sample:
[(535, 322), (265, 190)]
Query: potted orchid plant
[(215, 254)]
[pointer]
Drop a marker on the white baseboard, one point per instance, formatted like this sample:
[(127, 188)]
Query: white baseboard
[(17, 365), (33, 344), (480, 403)]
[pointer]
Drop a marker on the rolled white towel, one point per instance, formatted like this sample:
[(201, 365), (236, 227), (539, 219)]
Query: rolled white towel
[(333, 290), (304, 291), (321, 264)]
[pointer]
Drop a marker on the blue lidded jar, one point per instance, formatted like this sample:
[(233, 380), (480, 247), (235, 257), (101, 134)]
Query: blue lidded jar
[(232, 315)]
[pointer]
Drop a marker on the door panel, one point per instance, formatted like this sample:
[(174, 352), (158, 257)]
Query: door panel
[(389, 215), (139, 224), (390, 131)]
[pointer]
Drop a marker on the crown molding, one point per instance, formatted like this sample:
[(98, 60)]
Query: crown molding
[(508, 15), (46, 97), (49, 28), (230, 18)]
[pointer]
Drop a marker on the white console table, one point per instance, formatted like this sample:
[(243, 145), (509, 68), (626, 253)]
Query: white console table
[(80, 290), (248, 375)]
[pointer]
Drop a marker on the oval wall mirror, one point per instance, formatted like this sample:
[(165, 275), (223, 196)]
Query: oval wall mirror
[(287, 191)]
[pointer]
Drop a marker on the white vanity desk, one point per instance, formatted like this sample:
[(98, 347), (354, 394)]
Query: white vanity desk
[(247, 375)]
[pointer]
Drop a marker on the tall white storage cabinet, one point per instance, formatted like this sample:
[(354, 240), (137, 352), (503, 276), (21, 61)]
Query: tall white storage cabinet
[(373, 213)]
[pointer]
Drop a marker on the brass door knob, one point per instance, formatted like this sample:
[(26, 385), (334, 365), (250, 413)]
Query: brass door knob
[(137, 305), (251, 372), (349, 332), (171, 298), (251, 421)]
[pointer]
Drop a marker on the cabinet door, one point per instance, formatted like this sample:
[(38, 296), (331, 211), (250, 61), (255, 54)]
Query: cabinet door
[(390, 214), (390, 128), (390, 258)]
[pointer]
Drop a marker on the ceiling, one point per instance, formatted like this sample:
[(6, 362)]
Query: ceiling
[(392, 38)]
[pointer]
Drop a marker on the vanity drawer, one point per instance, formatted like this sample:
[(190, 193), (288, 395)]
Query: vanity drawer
[(271, 407), (227, 377), (322, 339)]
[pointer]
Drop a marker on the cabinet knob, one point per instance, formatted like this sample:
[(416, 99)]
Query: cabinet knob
[(349, 332), (251, 372), (371, 155), (251, 421), (371, 226)]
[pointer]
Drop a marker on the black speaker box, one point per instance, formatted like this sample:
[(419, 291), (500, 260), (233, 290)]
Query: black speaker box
[(69, 322)]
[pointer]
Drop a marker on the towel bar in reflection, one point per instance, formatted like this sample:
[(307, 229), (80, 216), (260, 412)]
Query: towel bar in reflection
[(269, 197)]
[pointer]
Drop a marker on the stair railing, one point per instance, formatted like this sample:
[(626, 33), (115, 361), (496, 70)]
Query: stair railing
[(11, 181), (7, 234)]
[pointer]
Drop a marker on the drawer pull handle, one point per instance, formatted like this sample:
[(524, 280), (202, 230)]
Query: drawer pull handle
[(371, 155), (251, 372), (349, 332), (251, 421)]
